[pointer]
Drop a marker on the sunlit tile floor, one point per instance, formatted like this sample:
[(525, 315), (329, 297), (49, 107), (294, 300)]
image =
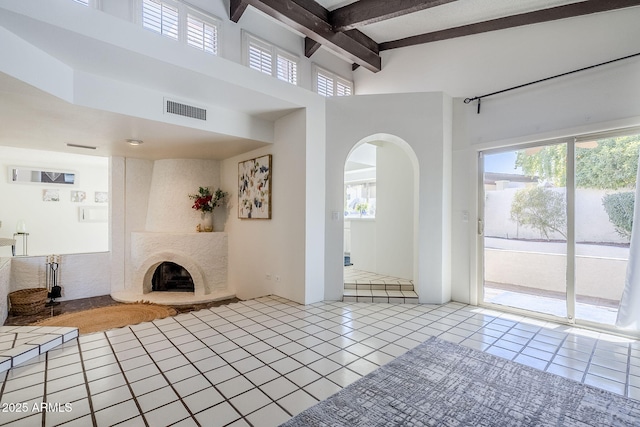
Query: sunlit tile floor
[(259, 362)]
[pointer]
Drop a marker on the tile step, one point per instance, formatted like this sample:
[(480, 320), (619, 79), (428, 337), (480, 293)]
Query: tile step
[(380, 299), (379, 285), (21, 343)]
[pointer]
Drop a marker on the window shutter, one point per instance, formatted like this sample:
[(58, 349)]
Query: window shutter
[(259, 58), (287, 70), (161, 18), (342, 89), (324, 85), (202, 35), (83, 2)]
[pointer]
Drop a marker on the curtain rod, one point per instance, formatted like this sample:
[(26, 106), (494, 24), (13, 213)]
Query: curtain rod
[(479, 98)]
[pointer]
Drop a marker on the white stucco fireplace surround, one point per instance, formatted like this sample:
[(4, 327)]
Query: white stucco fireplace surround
[(159, 224), (203, 255)]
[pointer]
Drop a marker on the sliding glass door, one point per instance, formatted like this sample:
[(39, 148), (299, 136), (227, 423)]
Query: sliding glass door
[(525, 228), (605, 170), (557, 224)]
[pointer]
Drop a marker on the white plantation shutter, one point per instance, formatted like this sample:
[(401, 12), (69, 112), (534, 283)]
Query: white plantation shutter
[(342, 89), (161, 18), (327, 83), (324, 85), (83, 2), (260, 58), (202, 35), (269, 59), (287, 70)]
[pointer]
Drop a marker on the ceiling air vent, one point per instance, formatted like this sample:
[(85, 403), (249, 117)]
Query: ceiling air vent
[(173, 107)]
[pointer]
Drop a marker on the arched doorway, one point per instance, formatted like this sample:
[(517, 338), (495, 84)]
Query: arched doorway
[(380, 221)]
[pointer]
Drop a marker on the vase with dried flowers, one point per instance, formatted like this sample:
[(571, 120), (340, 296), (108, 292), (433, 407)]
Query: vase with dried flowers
[(205, 201)]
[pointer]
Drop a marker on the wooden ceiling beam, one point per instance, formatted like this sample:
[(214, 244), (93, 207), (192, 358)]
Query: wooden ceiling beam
[(312, 20), (366, 12), (538, 16), (236, 9), (310, 47)]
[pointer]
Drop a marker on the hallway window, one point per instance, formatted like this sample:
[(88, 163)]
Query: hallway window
[(183, 23), (326, 83), (269, 59), (202, 33), (161, 18)]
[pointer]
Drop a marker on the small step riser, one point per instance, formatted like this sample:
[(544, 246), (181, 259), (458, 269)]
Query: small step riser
[(385, 300), (378, 286)]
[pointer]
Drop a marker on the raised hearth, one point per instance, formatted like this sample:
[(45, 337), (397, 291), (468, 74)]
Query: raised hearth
[(202, 255)]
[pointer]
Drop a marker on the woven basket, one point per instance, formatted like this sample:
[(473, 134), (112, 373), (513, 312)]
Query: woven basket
[(28, 301)]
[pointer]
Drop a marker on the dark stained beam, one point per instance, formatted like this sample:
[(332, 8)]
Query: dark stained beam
[(365, 12), (310, 47), (311, 19), (236, 9), (538, 16)]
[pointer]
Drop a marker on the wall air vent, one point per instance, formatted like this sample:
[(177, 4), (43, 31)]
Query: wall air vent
[(173, 107)]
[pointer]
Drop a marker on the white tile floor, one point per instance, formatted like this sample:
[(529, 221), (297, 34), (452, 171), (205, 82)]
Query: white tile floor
[(262, 361), (21, 343)]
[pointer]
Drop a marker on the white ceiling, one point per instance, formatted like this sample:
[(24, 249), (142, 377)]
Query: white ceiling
[(34, 119), (450, 15)]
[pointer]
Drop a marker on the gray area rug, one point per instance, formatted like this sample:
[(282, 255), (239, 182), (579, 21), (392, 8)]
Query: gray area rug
[(443, 384)]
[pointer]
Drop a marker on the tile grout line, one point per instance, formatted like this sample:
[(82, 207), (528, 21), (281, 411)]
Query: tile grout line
[(134, 398), (44, 392), (586, 369), (136, 337), (230, 364), (627, 377), (86, 379), (202, 373), (233, 367)]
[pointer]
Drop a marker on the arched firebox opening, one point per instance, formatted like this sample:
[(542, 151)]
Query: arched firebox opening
[(171, 277)]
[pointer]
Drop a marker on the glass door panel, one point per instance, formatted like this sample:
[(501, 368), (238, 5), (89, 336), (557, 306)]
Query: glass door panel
[(605, 188), (525, 229)]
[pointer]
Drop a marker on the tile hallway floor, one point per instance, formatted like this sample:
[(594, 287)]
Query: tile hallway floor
[(259, 362)]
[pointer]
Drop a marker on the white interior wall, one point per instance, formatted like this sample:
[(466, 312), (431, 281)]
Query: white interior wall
[(363, 244), (171, 183), (138, 178), (5, 278), (79, 275), (268, 256), (423, 121), (394, 215), (53, 227)]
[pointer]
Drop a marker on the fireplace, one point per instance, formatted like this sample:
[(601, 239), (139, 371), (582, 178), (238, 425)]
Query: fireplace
[(171, 277), (200, 256)]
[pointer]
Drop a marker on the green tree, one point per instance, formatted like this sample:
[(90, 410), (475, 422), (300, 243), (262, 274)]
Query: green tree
[(619, 207), (611, 164), (547, 163), (541, 209)]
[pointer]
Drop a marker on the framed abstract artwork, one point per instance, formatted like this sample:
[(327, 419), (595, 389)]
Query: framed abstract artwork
[(254, 188)]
